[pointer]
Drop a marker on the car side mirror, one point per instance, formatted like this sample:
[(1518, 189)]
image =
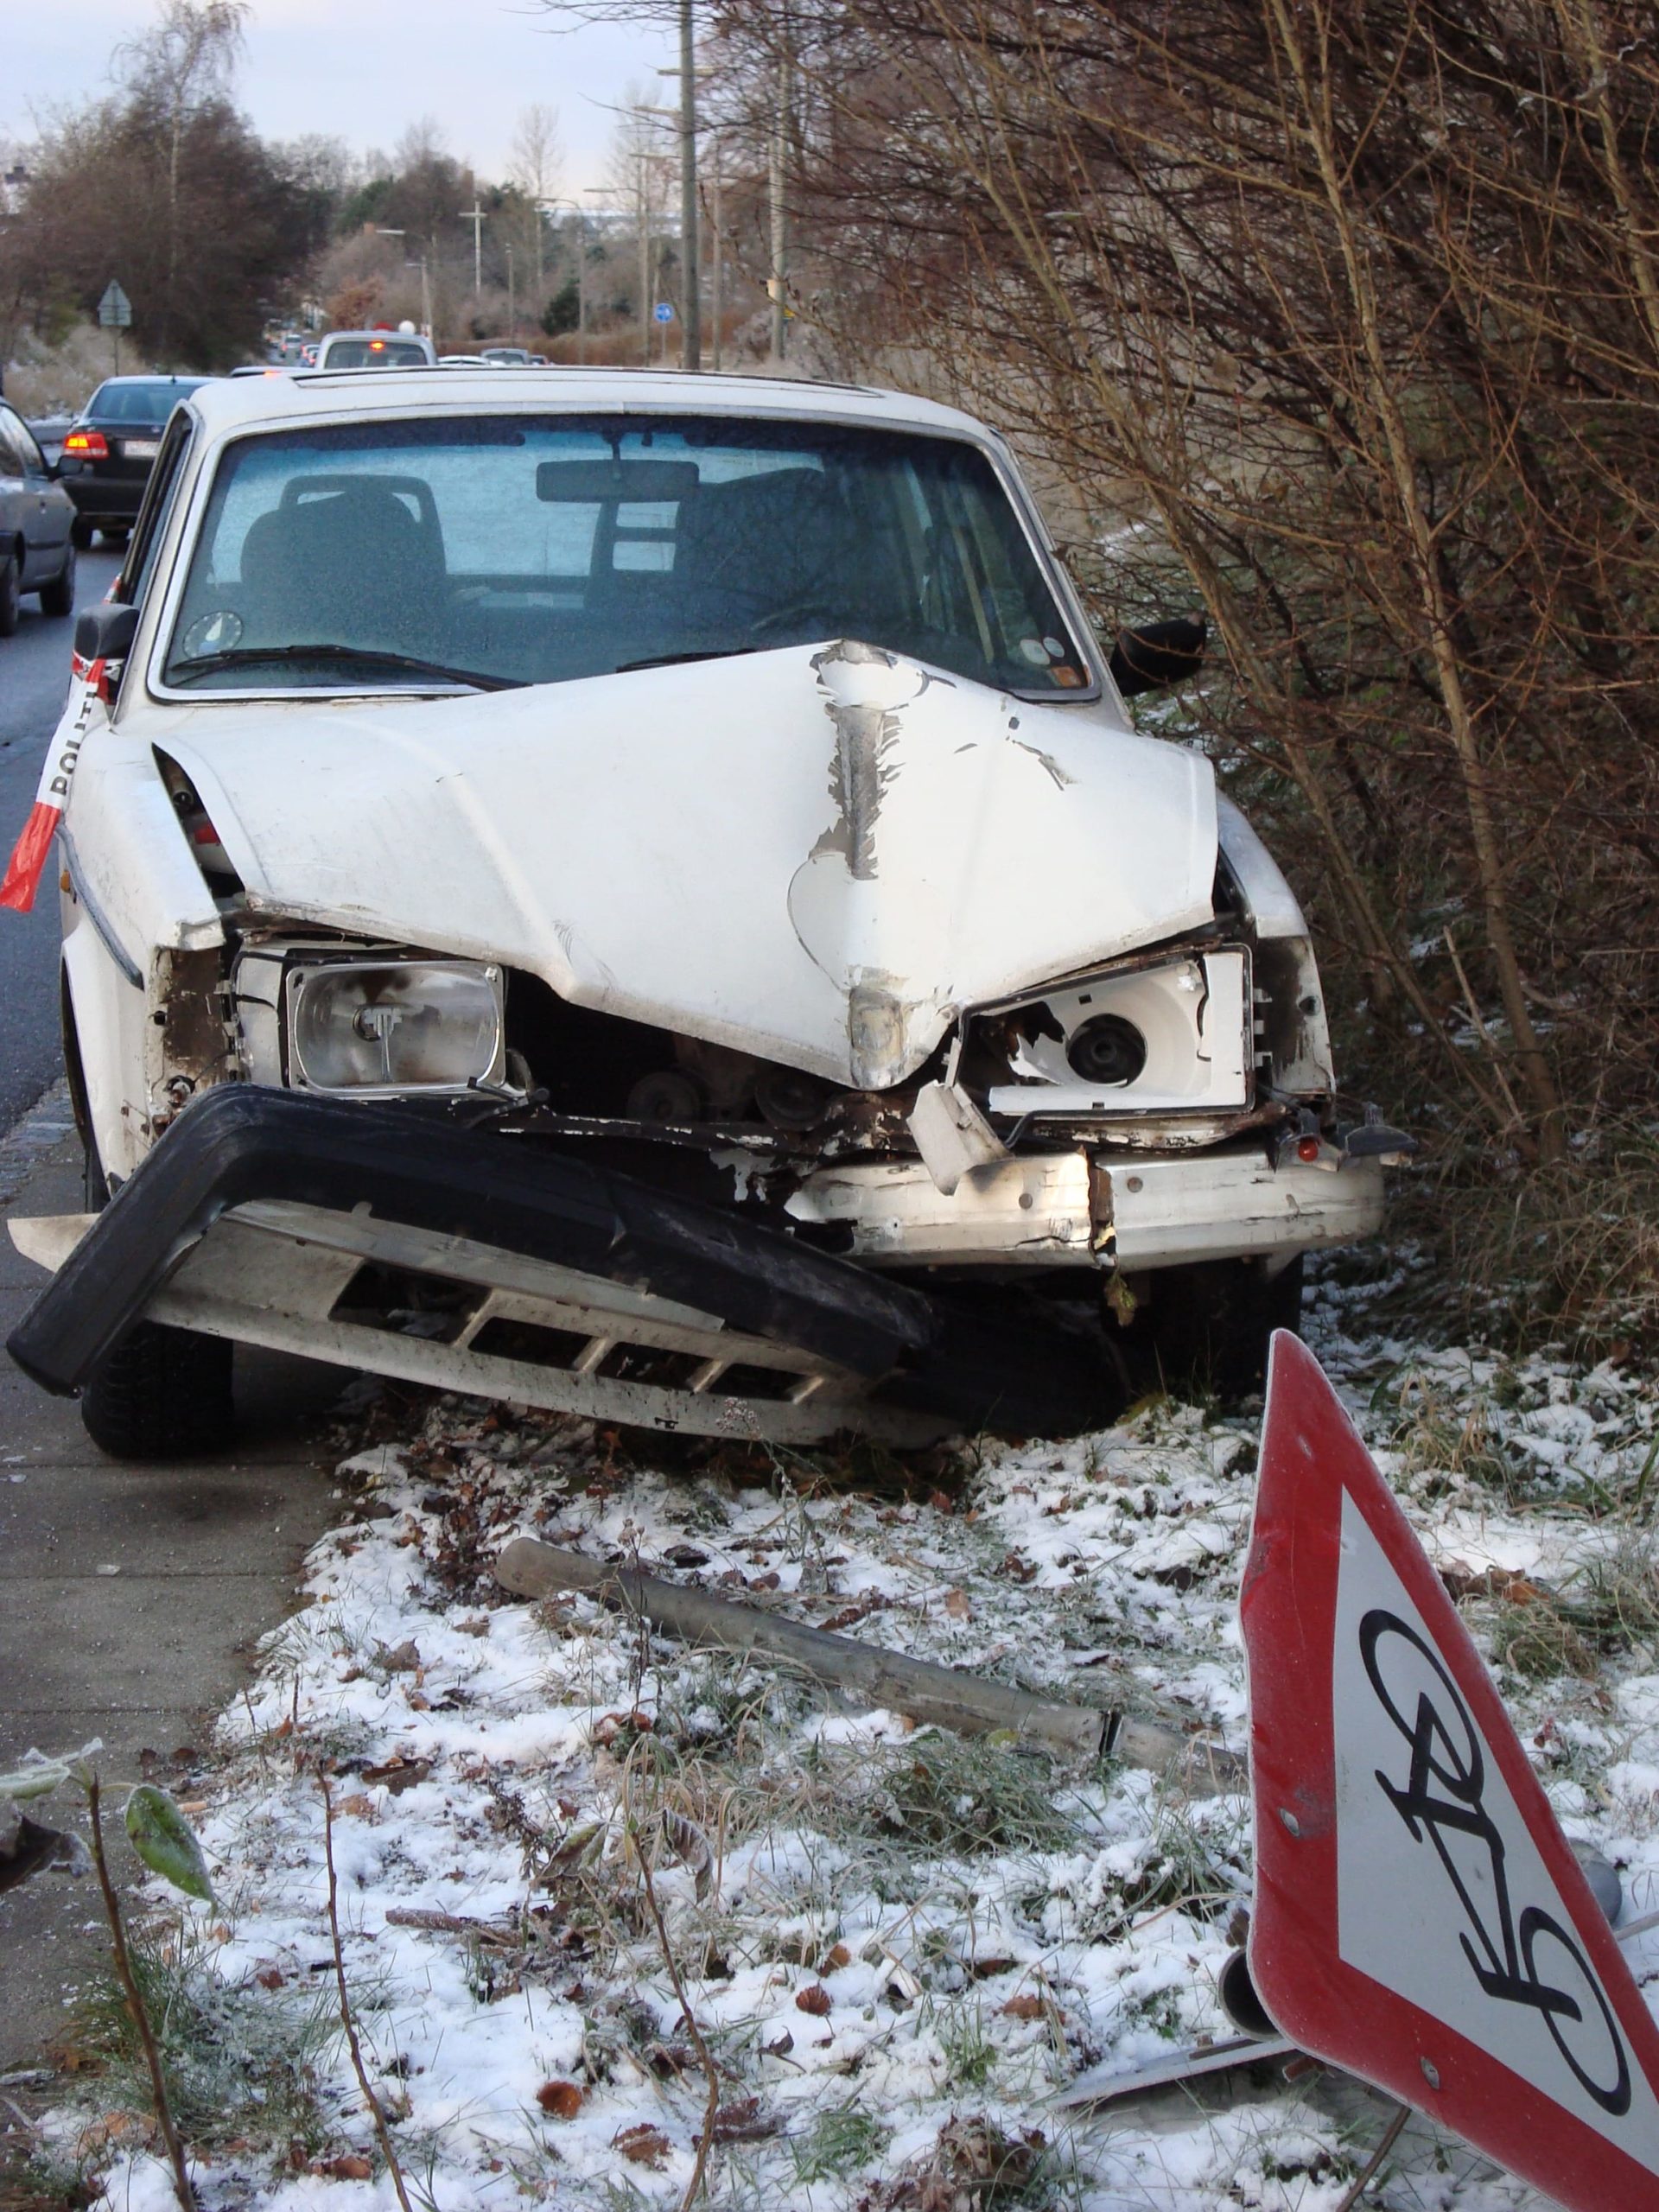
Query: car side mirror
[(107, 633), (1156, 653)]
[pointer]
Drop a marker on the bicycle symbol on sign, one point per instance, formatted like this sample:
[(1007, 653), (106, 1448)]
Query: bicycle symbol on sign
[(1532, 1961)]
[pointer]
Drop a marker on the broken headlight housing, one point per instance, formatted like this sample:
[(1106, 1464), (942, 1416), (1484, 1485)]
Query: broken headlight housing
[(1155, 1035), (366, 1027)]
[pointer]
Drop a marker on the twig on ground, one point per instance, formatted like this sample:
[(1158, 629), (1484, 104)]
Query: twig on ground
[(1390, 2135), (705, 2141), (130, 1989), (382, 2134)]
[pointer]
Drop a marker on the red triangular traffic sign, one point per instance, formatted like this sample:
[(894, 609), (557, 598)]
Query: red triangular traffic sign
[(1420, 1919)]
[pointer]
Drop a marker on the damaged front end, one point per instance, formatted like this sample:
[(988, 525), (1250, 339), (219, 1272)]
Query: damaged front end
[(879, 1051)]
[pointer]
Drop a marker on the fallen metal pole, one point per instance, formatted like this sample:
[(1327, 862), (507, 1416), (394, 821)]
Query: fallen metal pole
[(968, 1704)]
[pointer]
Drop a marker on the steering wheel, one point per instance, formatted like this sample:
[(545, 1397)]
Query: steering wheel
[(797, 611)]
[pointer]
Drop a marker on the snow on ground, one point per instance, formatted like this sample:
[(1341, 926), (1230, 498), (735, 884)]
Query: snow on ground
[(896, 1947)]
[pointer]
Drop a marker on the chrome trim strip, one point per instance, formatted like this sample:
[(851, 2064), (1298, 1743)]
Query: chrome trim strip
[(95, 915)]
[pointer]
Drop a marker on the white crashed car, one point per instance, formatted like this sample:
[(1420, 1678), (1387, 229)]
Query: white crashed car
[(639, 894)]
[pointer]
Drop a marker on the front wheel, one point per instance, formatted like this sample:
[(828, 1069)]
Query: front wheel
[(162, 1393), (1210, 1324), (10, 596), (80, 533)]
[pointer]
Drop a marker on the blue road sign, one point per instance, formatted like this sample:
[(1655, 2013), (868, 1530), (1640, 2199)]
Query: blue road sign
[(663, 311)]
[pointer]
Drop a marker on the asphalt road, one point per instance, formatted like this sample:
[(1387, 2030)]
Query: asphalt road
[(34, 683)]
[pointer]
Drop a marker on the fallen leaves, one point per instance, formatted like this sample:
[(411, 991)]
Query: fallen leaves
[(741, 2122), (643, 2145), (563, 2099), (815, 1998)]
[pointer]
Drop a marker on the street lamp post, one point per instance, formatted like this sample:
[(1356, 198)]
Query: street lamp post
[(475, 215), (690, 290)]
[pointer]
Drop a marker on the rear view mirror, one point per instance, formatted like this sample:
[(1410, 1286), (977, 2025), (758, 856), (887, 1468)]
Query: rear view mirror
[(1156, 653), (105, 632), (586, 482)]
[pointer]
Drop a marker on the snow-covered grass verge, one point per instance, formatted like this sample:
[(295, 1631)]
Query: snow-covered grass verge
[(581, 1867)]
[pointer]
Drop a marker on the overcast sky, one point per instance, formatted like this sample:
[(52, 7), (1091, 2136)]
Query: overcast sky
[(362, 70)]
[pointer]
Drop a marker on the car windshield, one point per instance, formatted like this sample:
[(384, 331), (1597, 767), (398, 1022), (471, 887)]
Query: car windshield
[(140, 402), (536, 548), (375, 354)]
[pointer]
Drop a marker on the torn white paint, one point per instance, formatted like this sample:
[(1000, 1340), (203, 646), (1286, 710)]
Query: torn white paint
[(814, 854)]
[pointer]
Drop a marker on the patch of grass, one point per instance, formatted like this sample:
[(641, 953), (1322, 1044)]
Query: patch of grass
[(960, 1796), (240, 2061), (44, 2180), (1438, 1438), (970, 2054), (1614, 1600), (1610, 1606), (1537, 1639), (1566, 1254), (839, 2142)]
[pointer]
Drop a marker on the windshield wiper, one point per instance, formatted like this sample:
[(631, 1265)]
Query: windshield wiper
[(354, 656), (671, 660)]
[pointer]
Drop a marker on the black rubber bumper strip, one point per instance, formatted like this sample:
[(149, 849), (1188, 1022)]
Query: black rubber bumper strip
[(968, 1355), (235, 1145)]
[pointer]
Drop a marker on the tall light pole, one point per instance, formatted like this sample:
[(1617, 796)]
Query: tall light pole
[(642, 171), (475, 215), (690, 299)]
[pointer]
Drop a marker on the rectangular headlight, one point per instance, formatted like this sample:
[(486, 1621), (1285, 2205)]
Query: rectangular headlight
[(365, 1025)]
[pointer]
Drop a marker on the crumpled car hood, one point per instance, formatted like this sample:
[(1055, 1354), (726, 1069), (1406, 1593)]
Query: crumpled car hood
[(815, 854)]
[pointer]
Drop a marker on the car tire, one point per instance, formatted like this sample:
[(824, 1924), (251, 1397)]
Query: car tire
[(58, 598), (10, 596), (80, 533), (114, 534), (162, 1393), (1209, 1325)]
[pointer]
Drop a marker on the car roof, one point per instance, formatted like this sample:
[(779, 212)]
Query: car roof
[(278, 402), (157, 376)]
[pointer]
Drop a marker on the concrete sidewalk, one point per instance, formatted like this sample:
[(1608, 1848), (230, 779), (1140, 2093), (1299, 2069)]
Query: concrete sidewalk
[(129, 1597)]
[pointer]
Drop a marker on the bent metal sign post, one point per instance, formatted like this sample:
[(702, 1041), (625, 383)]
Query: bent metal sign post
[(1419, 1918)]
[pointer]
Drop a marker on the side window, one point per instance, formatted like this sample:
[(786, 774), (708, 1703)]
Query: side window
[(21, 440), (158, 499), (11, 460)]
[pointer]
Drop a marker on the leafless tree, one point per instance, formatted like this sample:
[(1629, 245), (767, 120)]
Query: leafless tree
[(1345, 321), (533, 164)]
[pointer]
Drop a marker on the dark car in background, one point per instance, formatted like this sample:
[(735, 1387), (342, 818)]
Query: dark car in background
[(109, 447), (37, 550)]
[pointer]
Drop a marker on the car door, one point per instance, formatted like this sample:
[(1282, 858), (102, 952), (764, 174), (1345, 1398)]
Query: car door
[(47, 512), (14, 496)]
